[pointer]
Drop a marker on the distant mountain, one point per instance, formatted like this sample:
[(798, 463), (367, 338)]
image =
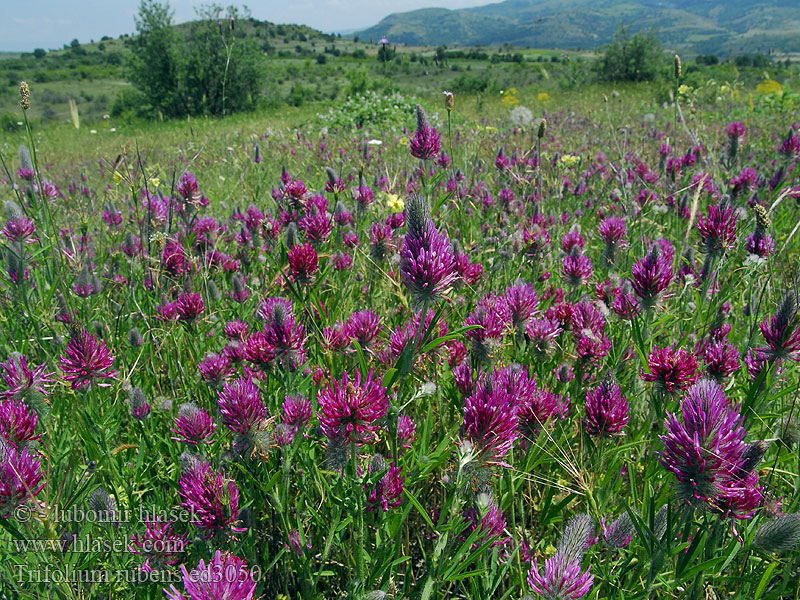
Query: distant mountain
[(697, 26)]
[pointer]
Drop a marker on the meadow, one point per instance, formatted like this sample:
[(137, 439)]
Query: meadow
[(406, 344)]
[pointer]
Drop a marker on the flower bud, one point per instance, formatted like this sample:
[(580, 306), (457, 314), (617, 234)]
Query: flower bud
[(449, 101), (542, 128)]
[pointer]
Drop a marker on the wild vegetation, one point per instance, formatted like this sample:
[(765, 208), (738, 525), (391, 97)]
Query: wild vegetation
[(510, 342)]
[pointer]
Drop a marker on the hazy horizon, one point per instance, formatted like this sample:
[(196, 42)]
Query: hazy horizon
[(50, 24)]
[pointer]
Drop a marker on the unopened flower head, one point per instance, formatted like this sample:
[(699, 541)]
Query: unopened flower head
[(782, 331), (425, 143), (449, 101)]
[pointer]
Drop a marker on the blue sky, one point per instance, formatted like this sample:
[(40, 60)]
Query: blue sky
[(47, 24)]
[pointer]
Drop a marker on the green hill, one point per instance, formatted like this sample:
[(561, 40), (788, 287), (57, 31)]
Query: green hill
[(706, 27)]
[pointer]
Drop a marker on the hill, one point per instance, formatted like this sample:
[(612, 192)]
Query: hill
[(694, 27)]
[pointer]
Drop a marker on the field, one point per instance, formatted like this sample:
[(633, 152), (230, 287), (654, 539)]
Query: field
[(540, 341)]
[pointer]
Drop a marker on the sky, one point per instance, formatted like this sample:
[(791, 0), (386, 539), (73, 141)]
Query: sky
[(50, 24)]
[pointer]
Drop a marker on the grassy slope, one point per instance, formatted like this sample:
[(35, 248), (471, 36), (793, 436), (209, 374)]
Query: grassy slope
[(691, 27)]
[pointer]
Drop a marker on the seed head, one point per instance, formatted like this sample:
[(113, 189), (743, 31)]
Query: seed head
[(762, 218), (24, 95), (780, 534), (575, 538)]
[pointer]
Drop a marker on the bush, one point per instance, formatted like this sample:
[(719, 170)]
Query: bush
[(469, 84), (8, 122), (707, 59), (131, 103), (370, 109), (752, 60), (636, 58), (358, 81), (297, 95)]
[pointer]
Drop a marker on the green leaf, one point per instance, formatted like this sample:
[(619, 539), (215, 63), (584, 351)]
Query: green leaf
[(764, 580), (418, 506), (450, 336), (389, 378)]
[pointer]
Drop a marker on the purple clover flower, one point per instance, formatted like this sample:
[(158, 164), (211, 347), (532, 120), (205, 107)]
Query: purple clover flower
[(350, 409), (214, 368), (363, 327), (17, 423), (281, 342), (211, 499), (406, 431), (718, 229), (297, 412), (651, 276), (159, 545), (427, 263), (721, 359), (706, 451), (489, 427), (225, 577), (541, 335), (607, 411), (577, 268), (193, 425), (671, 368), (303, 263), (425, 143), (388, 491), (21, 381), (189, 306), (782, 331), (87, 361), (20, 478), (20, 229), (522, 303), (241, 407), (561, 580), (760, 244)]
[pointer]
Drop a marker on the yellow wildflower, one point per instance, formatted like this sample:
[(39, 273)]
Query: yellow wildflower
[(769, 86), (395, 203), (569, 160)]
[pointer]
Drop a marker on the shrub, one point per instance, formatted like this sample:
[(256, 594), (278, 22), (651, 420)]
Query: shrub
[(636, 58)]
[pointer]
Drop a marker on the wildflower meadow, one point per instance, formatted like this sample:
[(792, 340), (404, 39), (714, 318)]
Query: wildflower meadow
[(540, 353)]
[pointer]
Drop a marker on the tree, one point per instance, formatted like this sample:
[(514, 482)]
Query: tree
[(636, 58), (39, 53), (154, 64), (210, 70)]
